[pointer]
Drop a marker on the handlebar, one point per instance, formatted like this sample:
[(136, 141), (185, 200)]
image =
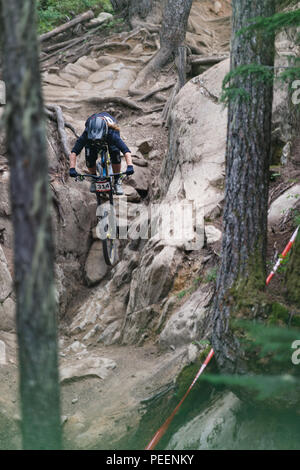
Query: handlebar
[(100, 178)]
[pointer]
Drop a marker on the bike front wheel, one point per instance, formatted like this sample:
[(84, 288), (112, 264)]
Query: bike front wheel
[(107, 231)]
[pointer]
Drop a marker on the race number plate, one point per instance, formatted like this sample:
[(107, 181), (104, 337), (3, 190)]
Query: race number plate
[(103, 187)]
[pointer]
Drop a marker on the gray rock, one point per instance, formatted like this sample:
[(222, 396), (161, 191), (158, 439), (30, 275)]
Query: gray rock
[(54, 79), (124, 80), (141, 178), (88, 63), (2, 353), (88, 367), (212, 234), (139, 325), (153, 279), (7, 315), (77, 71), (5, 277), (95, 266), (101, 19), (212, 429), (185, 324), (75, 347), (111, 334), (145, 146), (195, 163), (101, 76), (283, 204)]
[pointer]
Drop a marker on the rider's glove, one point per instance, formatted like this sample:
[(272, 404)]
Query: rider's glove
[(73, 172), (129, 170)]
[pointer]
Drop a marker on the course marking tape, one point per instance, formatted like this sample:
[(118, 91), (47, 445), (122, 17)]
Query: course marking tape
[(283, 255)]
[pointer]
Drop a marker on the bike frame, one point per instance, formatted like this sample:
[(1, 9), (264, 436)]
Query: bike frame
[(105, 175)]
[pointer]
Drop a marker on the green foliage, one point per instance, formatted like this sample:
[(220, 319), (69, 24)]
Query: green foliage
[(52, 13), (271, 346), (262, 73), (258, 74), (272, 24), (264, 386)]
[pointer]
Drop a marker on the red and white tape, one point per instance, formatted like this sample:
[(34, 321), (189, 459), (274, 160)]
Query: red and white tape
[(159, 434), (283, 255)]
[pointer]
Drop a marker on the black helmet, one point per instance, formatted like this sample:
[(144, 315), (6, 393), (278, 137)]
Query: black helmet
[(97, 130)]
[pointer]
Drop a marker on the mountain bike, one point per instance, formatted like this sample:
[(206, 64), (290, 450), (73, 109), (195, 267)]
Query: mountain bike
[(107, 228)]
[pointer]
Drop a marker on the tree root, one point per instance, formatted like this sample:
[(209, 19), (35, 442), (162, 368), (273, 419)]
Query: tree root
[(169, 105), (111, 44), (51, 115), (156, 63), (115, 99), (57, 113), (156, 90)]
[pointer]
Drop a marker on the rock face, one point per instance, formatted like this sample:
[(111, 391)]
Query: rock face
[(185, 325), (194, 166), (227, 424), (2, 353), (213, 429), (283, 204), (5, 277), (95, 267)]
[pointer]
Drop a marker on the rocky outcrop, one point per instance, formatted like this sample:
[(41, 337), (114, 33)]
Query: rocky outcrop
[(194, 166), (186, 324), (282, 206), (228, 424)]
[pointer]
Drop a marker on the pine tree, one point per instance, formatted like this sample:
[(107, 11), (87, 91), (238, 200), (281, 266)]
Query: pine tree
[(33, 244), (242, 273)]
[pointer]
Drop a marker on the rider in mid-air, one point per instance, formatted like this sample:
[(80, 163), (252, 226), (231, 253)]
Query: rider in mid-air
[(101, 129)]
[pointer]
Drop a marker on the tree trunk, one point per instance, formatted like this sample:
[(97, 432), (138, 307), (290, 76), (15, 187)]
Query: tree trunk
[(242, 271), (172, 35), (134, 8), (33, 244)]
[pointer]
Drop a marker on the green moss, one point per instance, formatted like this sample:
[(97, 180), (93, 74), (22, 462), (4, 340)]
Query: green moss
[(188, 373), (279, 314), (52, 13)]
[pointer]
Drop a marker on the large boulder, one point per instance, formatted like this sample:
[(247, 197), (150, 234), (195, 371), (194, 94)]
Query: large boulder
[(95, 266), (194, 166), (212, 429), (283, 204)]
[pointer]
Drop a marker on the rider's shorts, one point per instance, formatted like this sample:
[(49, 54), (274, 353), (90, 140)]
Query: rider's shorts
[(91, 155)]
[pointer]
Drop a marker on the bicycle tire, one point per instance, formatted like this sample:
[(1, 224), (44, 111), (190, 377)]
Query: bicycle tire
[(109, 251), (109, 242), (109, 238)]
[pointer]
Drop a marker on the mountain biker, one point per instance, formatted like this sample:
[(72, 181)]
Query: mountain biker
[(101, 129)]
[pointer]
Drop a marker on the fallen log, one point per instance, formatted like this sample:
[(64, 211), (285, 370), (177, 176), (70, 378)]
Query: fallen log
[(209, 60), (64, 27)]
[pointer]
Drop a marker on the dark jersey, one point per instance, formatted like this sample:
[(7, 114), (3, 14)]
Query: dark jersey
[(113, 138)]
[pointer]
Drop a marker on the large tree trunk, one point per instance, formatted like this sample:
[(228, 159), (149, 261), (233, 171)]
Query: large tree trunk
[(242, 272), (172, 36), (131, 9), (33, 245)]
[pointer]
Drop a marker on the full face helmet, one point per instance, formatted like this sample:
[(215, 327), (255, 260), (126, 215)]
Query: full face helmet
[(97, 130)]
